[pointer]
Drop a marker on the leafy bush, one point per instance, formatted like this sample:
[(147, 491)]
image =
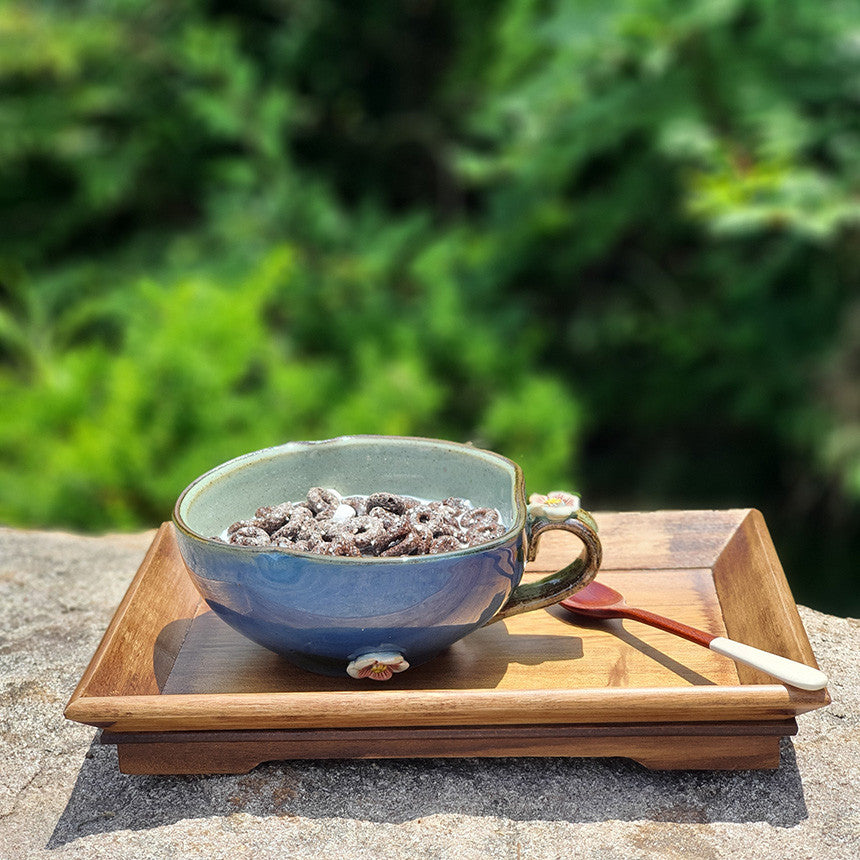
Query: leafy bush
[(615, 241)]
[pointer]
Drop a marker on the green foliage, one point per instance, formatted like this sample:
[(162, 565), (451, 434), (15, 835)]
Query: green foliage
[(616, 241)]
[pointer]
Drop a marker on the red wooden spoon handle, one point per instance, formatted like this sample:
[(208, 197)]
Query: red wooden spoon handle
[(676, 627), (646, 617)]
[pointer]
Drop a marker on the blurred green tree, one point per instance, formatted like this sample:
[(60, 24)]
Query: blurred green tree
[(616, 241)]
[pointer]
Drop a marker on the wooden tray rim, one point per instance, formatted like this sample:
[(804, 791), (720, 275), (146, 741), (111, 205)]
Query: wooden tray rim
[(439, 707)]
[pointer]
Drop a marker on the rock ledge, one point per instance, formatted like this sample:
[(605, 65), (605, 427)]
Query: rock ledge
[(63, 796)]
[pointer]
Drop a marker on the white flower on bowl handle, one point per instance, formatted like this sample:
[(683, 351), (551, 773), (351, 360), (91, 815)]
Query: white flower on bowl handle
[(556, 506)]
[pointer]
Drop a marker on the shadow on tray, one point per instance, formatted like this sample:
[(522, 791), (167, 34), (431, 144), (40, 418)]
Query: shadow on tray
[(204, 655), (521, 789)]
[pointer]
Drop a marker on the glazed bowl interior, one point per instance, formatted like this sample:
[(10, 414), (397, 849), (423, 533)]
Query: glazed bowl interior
[(352, 465)]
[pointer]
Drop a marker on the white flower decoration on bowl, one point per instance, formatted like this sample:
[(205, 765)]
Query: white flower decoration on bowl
[(557, 505), (379, 666)]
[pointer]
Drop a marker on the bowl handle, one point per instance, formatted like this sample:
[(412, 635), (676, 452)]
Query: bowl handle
[(561, 584)]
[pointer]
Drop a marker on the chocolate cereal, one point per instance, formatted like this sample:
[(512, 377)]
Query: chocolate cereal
[(380, 524)]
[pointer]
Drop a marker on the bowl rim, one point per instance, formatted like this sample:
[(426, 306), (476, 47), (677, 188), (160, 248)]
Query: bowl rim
[(516, 529)]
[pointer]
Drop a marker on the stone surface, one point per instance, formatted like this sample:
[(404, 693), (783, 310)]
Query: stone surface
[(63, 796)]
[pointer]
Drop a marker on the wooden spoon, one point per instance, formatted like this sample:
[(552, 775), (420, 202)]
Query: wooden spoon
[(597, 600)]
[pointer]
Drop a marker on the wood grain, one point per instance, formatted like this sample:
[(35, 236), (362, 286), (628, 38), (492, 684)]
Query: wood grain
[(133, 651), (546, 649), (668, 753), (365, 708), (656, 540), (750, 566), (167, 664), (720, 747)]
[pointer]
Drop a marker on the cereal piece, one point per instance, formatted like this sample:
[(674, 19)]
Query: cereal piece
[(422, 514), (333, 539), (406, 545), (444, 543), (273, 517), (481, 534), (366, 531), (292, 545), (319, 547), (448, 512), (357, 503), (346, 548), (329, 530), (250, 536), (334, 547), (479, 517), (386, 516), (299, 526), (416, 541), (281, 540), (322, 502), (325, 532), (387, 501), (425, 536), (242, 524), (442, 528), (428, 516), (394, 529)]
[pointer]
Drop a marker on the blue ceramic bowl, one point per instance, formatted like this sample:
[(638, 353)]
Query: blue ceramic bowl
[(368, 617)]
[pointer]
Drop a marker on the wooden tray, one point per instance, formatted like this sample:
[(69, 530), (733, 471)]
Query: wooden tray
[(178, 691)]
